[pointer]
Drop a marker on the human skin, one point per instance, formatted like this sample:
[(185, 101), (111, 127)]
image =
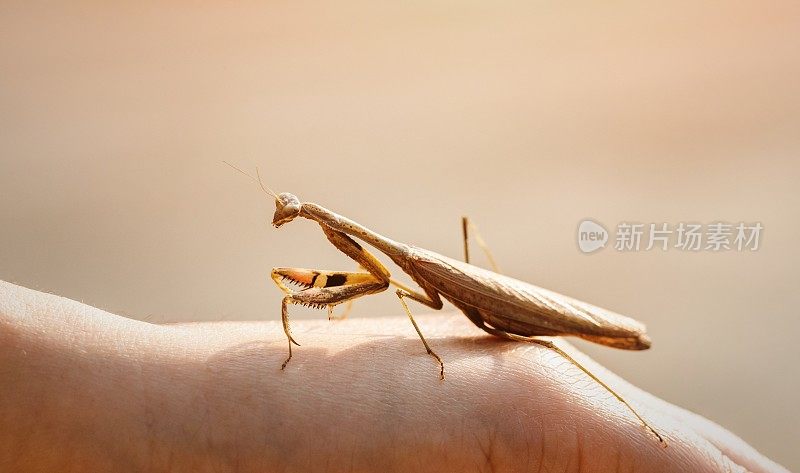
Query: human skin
[(85, 390)]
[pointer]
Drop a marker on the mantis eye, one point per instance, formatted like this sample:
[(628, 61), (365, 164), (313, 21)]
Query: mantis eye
[(287, 207)]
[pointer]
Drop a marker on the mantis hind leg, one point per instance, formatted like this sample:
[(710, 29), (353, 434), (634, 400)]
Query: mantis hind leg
[(552, 346), (466, 227)]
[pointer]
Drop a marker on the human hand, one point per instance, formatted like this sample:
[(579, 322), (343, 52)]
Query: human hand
[(85, 390)]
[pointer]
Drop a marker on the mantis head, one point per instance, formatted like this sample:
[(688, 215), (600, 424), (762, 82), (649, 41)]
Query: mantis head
[(287, 207)]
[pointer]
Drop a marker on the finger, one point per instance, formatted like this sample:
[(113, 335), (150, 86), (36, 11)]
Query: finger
[(695, 435), (730, 445), (719, 442)]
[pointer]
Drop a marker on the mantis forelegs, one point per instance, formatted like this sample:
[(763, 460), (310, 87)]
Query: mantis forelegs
[(334, 288), (327, 288)]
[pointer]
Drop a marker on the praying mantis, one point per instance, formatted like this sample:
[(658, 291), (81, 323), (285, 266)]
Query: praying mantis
[(498, 304)]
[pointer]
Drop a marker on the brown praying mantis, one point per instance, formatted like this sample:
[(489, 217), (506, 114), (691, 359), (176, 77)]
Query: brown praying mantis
[(498, 304)]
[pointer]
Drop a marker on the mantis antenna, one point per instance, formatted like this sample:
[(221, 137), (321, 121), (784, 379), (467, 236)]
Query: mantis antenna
[(257, 179)]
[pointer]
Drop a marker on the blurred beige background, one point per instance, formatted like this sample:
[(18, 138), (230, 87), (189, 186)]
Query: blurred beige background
[(527, 116)]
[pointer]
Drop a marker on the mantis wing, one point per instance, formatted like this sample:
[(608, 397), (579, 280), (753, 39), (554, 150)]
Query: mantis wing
[(523, 309)]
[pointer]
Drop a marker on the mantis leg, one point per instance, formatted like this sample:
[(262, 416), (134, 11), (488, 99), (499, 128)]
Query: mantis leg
[(402, 293), (329, 288), (285, 319), (552, 346), (466, 227), (364, 258), (356, 252), (348, 306), (322, 288)]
